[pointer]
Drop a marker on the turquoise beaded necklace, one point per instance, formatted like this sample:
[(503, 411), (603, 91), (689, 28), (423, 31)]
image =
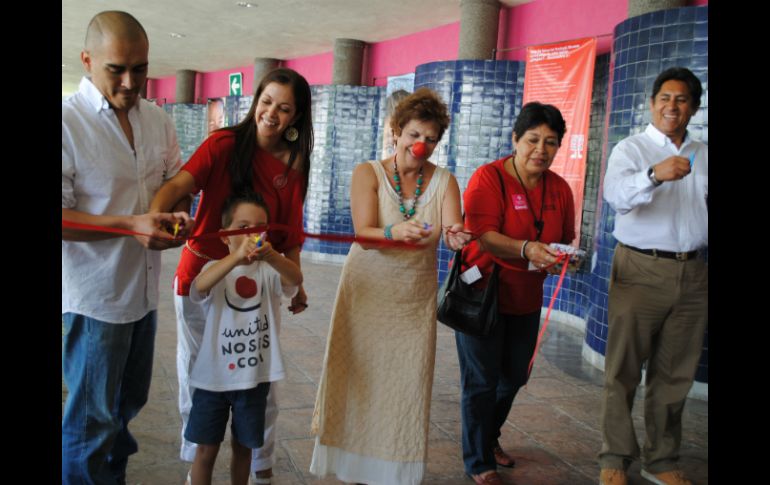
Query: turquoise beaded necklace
[(418, 191)]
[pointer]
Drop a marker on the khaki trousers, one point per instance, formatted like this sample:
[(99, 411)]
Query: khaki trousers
[(658, 312)]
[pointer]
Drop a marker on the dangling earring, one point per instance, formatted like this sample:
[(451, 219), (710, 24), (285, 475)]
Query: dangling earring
[(291, 134)]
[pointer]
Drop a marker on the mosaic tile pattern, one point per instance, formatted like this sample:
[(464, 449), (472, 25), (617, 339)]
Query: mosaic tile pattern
[(190, 121), (644, 46), (346, 125), (236, 108)]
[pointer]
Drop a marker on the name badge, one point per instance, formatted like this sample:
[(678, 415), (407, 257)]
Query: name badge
[(519, 202)]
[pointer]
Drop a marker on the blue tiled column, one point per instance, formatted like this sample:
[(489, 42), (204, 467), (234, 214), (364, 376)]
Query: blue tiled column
[(346, 124), (484, 98), (643, 47), (236, 108), (190, 123)]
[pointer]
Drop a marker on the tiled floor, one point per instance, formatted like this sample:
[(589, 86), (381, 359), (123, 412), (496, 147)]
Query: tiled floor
[(552, 431)]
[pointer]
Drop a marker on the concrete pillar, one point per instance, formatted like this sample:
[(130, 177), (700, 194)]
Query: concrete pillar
[(185, 86), (639, 7), (262, 65), (348, 61), (479, 20)]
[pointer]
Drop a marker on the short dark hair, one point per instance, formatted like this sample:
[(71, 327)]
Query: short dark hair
[(535, 114), (245, 197), (114, 21), (423, 105), (680, 74)]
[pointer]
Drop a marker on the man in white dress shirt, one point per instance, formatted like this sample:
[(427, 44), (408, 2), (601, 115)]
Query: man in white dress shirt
[(657, 182), (117, 149)]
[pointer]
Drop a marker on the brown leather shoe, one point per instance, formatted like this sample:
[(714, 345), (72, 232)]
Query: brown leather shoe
[(502, 458), (612, 476), (672, 477), (487, 478)]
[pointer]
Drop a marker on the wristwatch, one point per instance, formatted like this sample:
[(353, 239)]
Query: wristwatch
[(651, 176)]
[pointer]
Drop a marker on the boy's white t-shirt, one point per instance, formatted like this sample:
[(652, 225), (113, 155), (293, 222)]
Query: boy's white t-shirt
[(240, 346)]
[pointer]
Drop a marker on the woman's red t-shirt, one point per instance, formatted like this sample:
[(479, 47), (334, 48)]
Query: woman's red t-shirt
[(209, 167), (520, 292)]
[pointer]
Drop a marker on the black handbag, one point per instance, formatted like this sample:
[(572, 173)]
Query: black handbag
[(467, 309), (464, 308)]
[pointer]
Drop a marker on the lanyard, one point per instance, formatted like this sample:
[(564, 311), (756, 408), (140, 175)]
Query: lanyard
[(538, 222)]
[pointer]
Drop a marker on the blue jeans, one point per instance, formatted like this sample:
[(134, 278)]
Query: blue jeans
[(492, 369), (107, 368)]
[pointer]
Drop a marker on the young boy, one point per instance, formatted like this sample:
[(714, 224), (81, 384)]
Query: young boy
[(240, 295)]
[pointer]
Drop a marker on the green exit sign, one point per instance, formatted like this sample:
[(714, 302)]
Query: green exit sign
[(236, 84)]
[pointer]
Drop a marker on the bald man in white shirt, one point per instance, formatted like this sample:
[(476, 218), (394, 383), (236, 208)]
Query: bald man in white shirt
[(657, 182), (117, 149)]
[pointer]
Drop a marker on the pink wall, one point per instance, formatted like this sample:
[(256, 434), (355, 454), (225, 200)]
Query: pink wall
[(546, 21), (404, 54), (162, 88), (317, 69), (537, 22), (216, 84)]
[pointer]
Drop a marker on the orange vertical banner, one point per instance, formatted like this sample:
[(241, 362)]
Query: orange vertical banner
[(562, 74)]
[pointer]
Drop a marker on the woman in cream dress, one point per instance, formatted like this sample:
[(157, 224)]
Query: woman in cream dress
[(372, 410)]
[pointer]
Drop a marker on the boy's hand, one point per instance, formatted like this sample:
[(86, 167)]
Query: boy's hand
[(245, 249), (263, 252)]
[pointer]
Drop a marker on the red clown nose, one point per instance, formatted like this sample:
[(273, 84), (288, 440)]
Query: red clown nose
[(418, 149)]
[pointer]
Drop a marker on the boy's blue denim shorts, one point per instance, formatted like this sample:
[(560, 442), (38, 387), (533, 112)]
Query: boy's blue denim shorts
[(210, 411)]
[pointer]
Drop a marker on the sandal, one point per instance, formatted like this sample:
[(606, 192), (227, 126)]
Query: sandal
[(502, 458), (491, 478)]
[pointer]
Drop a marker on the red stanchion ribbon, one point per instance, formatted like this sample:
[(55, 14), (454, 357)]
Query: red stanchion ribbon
[(381, 243), (550, 306), (338, 238)]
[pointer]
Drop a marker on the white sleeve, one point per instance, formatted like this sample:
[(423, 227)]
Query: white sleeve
[(626, 184), (173, 156), (68, 200), (196, 296)]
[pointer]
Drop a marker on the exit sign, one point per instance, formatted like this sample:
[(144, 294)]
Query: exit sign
[(236, 84)]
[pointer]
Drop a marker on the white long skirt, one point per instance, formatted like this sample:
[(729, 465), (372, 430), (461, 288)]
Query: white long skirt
[(353, 468)]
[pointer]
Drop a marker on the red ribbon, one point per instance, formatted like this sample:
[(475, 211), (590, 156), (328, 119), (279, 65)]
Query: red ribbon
[(550, 306), (380, 243), (561, 258), (340, 238)]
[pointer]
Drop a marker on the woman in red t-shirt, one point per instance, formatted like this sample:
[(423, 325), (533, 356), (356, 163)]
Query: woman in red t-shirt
[(268, 152), (538, 209)]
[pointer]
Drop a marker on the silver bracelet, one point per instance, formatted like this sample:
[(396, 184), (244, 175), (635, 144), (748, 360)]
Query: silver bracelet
[(523, 247)]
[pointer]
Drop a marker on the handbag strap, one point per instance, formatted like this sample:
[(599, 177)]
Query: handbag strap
[(502, 188)]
